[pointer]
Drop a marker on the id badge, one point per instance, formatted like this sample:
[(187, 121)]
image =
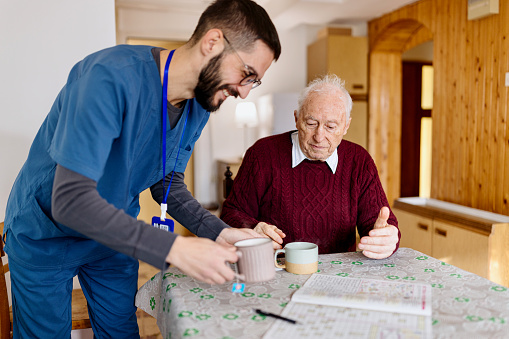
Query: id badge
[(167, 224)]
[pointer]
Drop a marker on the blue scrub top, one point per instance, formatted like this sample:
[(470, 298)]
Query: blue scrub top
[(105, 124)]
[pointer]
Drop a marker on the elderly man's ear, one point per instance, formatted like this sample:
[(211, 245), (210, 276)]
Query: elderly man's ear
[(347, 125)]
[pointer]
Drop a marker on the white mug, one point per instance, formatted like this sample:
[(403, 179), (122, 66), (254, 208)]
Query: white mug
[(300, 257)]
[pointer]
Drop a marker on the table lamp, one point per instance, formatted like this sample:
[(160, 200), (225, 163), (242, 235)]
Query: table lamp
[(245, 117)]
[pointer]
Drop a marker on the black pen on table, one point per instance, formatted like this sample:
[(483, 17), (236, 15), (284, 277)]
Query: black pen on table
[(268, 314)]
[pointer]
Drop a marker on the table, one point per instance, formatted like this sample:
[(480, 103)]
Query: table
[(465, 305)]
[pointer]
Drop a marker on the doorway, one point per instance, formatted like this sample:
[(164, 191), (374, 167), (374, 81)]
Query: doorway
[(386, 95), (416, 106)]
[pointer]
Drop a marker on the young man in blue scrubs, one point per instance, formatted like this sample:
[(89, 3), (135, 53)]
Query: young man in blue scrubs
[(73, 207)]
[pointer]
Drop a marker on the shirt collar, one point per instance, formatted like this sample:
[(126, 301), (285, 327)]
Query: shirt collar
[(298, 156)]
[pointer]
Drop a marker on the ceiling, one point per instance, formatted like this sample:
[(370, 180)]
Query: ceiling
[(288, 13)]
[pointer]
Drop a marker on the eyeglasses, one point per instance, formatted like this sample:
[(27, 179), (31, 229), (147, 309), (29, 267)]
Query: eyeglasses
[(251, 77)]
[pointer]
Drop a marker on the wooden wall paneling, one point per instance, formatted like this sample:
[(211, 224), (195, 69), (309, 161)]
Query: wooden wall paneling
[(480, 113), (475, 92), (461, 111), (490, 105), (423, 34), (385, 126), (452, 102), (469, 120), (502, 203), (386, 81), (438, 98), (470, 128), (439, 155)]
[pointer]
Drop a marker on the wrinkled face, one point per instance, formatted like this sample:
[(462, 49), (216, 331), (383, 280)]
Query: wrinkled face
[(221, 77), (321, 124)]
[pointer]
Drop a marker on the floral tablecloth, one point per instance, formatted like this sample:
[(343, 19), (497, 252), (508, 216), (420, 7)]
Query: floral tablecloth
[(465, 305)]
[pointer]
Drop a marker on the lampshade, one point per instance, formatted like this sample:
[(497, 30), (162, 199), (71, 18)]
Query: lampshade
[(245, 114)]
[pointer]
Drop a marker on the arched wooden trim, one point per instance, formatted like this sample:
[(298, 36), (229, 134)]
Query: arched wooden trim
[(385, 97)]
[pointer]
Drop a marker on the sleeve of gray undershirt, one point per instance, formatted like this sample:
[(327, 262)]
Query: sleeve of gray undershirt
[(76, 203), (184, 208)]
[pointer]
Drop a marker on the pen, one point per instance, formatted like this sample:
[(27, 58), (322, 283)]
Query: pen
[(268, 314)]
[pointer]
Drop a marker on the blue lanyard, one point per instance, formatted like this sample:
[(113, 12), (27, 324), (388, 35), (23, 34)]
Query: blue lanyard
[(165, 117)]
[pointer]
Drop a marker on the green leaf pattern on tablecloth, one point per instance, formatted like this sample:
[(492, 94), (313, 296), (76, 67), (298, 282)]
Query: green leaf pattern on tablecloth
[(499, 288), (258, 317), (190, 332), (170, 286), (231, 314), (203, 316)]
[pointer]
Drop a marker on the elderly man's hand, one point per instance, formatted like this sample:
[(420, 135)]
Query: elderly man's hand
[(272, 232), (382, 239), (230, 236)]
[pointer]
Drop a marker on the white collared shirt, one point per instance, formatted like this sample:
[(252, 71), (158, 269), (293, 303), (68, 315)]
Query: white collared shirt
[(298, 156)]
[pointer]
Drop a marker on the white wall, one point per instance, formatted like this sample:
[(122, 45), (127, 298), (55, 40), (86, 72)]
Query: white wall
[(40, 41)]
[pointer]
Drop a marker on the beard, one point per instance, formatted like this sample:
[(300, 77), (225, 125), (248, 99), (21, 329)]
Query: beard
[(209, 83)]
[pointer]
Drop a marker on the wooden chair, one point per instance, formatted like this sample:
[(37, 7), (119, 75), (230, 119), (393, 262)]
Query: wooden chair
[(80, 318)]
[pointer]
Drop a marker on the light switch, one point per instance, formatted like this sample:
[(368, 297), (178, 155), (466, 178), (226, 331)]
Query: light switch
[(507, 79)]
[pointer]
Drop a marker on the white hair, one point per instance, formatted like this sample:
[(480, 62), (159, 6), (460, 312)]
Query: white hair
[(327, 83)]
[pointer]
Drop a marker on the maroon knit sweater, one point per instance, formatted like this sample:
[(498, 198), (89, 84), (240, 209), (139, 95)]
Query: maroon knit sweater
[(308, 202)]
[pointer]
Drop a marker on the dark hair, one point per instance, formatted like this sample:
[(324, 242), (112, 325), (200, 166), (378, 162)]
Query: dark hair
[(242, 22)]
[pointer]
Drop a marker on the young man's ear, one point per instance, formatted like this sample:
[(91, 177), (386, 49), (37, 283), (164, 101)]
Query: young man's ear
[(212, 43)]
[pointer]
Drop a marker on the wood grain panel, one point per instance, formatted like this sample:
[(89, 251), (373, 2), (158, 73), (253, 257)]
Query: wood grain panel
[(449, 241), (415, 231), (499, 259), (470, 152), (317, 56), (385, 119)]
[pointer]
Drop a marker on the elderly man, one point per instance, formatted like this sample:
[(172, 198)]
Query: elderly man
[(311, 185)]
